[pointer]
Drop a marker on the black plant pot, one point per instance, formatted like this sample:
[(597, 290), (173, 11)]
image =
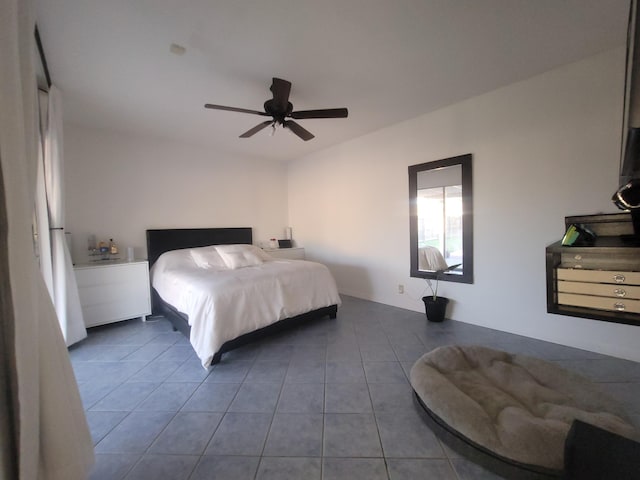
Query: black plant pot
[(435, 309)]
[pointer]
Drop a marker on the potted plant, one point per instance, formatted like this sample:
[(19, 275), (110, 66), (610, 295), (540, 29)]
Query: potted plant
[(436, 306)]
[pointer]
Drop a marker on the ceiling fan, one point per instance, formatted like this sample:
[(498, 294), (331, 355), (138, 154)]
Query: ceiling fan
[(281, 109)]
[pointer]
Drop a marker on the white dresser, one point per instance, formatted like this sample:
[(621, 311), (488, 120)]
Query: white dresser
[(295, 253), (113, 290)]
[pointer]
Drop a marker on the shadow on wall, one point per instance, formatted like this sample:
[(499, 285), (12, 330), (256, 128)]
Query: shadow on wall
[(351, 275)]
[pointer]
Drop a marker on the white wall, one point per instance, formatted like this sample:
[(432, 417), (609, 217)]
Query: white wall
[(542, 149), (118, 185)]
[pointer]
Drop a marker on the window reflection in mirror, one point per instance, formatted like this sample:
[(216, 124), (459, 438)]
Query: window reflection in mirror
[(441, 219)]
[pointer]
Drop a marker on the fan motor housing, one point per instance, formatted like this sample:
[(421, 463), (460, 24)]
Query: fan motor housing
[(271, 110)]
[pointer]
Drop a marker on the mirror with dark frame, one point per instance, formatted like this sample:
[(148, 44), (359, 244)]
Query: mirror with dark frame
[(441, 219)]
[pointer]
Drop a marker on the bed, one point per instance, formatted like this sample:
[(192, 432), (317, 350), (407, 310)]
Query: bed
[(222, 292)]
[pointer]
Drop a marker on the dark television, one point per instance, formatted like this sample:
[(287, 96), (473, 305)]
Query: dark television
[(627, 197), (630, 159)]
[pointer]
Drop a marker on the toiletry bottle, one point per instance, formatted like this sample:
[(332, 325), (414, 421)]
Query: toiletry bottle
[(113, 248)]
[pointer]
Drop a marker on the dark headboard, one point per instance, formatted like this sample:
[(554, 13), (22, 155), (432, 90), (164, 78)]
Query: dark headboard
[(160, 241)]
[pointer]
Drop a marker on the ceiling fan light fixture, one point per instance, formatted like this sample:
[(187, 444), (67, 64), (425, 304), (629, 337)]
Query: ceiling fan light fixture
[(280, 109)]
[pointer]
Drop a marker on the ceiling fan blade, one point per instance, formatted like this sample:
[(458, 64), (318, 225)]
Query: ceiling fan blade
[(280, 89), (324, 113), (256, 129), (234, 109), (296, 128)]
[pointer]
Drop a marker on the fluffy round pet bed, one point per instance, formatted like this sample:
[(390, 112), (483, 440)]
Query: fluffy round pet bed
[(509, 413)]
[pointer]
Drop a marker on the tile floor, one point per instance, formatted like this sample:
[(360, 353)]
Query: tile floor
[(329, 400)]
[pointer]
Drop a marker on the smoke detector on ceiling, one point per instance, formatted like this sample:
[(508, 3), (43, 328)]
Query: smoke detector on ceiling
[(177, 49)]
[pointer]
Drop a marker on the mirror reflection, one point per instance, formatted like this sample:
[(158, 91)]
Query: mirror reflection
[(440, 228), (439, 198)]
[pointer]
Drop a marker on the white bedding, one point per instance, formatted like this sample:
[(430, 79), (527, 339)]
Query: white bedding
[(223, 303)]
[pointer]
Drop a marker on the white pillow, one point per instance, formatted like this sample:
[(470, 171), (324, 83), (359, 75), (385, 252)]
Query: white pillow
[(207, 257), (238, 256), (173, 259)]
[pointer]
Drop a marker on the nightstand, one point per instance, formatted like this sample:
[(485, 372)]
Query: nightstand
[(111, 291), (295, 253)]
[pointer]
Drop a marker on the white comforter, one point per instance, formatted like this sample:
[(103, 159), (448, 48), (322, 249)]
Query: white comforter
[(223, 303)]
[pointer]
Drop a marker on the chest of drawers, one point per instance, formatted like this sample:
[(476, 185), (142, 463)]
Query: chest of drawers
[(600, 281), (113, 291)]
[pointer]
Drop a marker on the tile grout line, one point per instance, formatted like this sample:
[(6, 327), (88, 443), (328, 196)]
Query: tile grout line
[(343, 335)]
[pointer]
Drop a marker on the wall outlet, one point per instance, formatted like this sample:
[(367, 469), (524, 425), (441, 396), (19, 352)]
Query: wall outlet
[(400, 288)]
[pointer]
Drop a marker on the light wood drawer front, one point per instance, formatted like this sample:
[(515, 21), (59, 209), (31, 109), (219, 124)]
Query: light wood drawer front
[(599, 276), (600, 289), (600, 303), (626, 261)]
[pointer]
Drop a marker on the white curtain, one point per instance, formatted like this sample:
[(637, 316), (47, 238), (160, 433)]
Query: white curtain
[(65, 290), (43, 239), (44, 430)]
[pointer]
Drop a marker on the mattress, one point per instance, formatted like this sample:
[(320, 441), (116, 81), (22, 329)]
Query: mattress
[(222, 303)]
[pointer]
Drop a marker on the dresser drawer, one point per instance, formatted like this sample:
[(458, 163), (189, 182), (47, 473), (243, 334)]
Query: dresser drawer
[(293, 253), (602, 261), (599, 289), (599, 276), (111, 284), (600, 303)]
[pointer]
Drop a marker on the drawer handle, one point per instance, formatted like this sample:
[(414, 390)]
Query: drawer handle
[(619, 306), (618, 278), (620, 292)]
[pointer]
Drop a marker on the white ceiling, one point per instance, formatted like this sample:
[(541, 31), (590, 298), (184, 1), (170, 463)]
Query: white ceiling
[(386, 60)]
